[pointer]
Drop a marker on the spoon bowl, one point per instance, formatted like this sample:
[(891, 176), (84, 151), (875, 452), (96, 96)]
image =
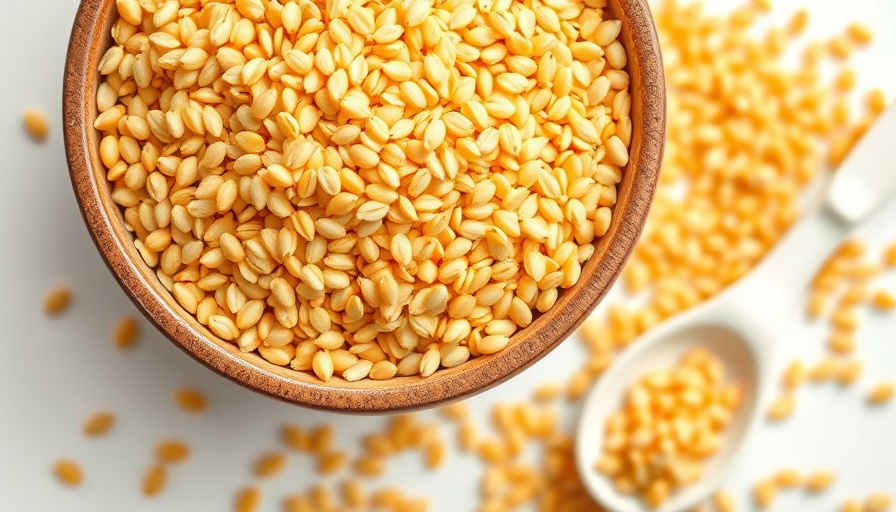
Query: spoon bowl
[(668, 344)]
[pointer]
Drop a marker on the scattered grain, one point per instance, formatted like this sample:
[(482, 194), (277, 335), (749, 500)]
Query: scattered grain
[(126, 332), (190, 400), (36, 124), (172, 451), (248, 499), (819, 481), (764, 493), (57, 301), (878, 502), (782, 407), (99, 424), (68, 472), (269, 465), (154, 480), (881, 393)]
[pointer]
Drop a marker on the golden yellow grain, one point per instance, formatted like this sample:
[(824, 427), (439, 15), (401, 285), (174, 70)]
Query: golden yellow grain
[(369, 466), (295, 437), (817, 303), (37, 124), (321, 439), (248, 499), (840, 47), (826, 369), (154, 480), (877, 502), (798, 22), (846, 79), (458, 411), (788, 478), (881, 392), (782, 407), (819, 481), (298, 504), (99, 424), (764, 493), (434, 454), (845, 319), (859, 33), (884, 300), (794, 375), (332, 462), (852, 505), (68, 472), (322, 498), (849, 372), (190, 400), (362, 256), (354, 494), (842, 343), (723, 501), (547, 392), (694, 406), (57, 300), (269, 464), (172, 451), (876, 101), (126, 332)]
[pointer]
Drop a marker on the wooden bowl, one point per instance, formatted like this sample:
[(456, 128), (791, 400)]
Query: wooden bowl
[(89, 40)]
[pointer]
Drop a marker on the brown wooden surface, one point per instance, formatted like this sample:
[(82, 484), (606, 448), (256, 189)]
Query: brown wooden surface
[(90, 37)]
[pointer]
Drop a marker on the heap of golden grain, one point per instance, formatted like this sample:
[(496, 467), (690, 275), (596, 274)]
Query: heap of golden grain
[(387, 192)]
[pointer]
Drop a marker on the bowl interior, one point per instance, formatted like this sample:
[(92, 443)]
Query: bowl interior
[(90, 38)]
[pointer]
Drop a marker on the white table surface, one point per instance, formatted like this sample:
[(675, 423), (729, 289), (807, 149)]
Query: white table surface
[(55, 372)]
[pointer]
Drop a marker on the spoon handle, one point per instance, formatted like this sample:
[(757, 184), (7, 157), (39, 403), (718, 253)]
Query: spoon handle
[(859, 187)]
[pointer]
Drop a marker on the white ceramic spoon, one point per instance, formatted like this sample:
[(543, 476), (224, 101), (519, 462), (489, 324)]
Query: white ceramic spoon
[(741, 324)]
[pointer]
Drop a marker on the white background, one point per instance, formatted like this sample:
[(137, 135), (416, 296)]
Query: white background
[(55, 372)]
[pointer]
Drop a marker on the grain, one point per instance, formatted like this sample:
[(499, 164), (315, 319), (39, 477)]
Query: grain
[(794, 375), (458, 411), (851, 506), (269, 465), (36, 124), (859, 33), (332, 462), (126, 332), (295, 437), (723, 501), (99, 424), (172, 451), (877, 502), (782, 407), (764, 493), (190, 400), (819, 481), (154, 480), (881, 393), (57, 300), (354, 494), (68, 472), (327, 180), (547, 392), (849, 372), (884, 300), (321, 439), (788, 479), (248, 499)]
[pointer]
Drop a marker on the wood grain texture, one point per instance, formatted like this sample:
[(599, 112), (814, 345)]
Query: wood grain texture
[(90, 37)]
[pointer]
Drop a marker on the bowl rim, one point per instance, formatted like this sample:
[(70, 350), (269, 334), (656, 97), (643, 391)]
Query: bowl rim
[(401, 393)]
